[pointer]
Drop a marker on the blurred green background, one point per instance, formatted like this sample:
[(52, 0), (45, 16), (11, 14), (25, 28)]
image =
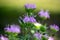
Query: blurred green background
[(10, 10)]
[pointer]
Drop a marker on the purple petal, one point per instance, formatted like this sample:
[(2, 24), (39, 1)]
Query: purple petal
[(38, 35), (30, 6), (44, 14), (51, 38), (26, 19), (3, 38), (54, 27), (32, 19), (13, 28), (29, 19)]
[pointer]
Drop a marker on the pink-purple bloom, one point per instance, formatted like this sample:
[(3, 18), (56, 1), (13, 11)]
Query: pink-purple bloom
[(54, 27), (29, 19), (50, 38), (13, 28), (37, 35), (44, 14), (32, 19), (3, 38), (26, 19), (30, 6)]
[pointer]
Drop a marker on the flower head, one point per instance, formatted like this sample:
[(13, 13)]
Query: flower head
[(30, 6), (26, 19), (3, 38), (32, 19), (29, 19), (13, 28), (44, 14), (55, 27), (50, 38), (37, 35)]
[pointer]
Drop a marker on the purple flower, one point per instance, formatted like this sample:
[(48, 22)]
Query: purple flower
[(29, 19), (26, 19), (44, 14), (13, 28), (50, 38), (37, 35), (3, 38), (30, 6), (54, 27), (32, 19)]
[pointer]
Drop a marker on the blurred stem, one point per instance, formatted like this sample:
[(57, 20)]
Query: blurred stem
[(30, 13)]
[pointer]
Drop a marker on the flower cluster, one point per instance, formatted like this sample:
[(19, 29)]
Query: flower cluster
[(29, 19), (44, 14), (10, 28), (30, 28), (37, 35), (3, 38), (51, 38), (54, 27), (30, 6)]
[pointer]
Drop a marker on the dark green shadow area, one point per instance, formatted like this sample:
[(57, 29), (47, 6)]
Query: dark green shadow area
[(9, 16)]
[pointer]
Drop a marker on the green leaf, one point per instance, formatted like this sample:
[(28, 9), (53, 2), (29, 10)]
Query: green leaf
[(44, 38), (43, 28)]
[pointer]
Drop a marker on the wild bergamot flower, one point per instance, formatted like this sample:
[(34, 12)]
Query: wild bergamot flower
[(13, 28), (3, 38), (29, 19), (30, 6), (54, 27), (38, 35), (50, 38), (44, 14)]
